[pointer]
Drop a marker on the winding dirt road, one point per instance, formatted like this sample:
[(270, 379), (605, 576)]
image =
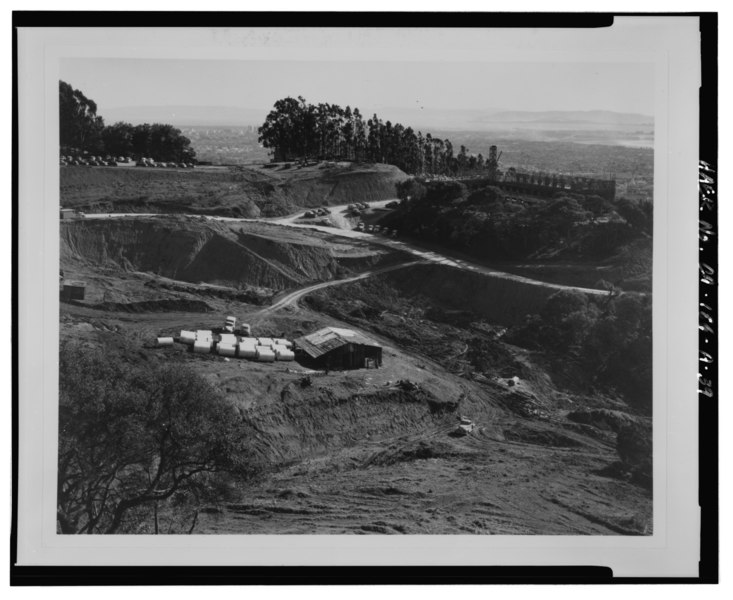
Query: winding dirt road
[(293, 297), (338, 218)]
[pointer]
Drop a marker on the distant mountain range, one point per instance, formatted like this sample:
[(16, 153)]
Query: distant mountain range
[(422, 118), (490, 119), (601, 117)]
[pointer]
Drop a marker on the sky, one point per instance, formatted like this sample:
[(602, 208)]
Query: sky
[(254, 84)]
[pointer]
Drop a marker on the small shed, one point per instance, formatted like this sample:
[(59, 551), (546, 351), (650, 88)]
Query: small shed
[(74, 290), (336, 348)]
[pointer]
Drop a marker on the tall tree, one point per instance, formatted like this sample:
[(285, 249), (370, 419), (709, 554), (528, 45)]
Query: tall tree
[(79, 125), (118, 139), (131, 437)]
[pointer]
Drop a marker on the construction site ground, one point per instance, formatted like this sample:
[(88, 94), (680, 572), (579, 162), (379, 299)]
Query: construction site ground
[(369, 450)]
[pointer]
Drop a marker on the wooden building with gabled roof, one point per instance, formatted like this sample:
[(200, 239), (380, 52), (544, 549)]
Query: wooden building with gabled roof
[(336, 348)]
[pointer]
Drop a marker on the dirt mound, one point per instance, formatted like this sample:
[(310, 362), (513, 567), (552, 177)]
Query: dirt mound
[(268, 190), (184, 251), (314, 420), (416, 450)]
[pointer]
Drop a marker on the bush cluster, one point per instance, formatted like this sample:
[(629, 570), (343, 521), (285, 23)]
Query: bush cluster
[(610, 341)]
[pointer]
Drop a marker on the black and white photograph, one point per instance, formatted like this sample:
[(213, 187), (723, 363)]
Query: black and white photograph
[(359, 304), (354, 283)]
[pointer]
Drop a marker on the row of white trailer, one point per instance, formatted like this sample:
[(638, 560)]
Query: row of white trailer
[(228, 344)]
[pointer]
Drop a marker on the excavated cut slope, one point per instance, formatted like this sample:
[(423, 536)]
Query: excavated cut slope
[(204, 251)]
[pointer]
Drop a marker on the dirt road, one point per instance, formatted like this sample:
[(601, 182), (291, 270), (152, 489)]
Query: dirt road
[(421, 254), (293, 297)]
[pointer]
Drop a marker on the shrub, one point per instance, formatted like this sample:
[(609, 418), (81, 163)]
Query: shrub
[(611, 341)]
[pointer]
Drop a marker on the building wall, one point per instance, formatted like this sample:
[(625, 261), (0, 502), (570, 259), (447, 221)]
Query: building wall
[(349, 356)]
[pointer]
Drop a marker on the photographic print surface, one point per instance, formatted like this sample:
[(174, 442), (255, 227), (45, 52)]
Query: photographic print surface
[(355, 297)]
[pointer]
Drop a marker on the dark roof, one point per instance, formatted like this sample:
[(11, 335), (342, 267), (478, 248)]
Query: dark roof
[(327, 339)]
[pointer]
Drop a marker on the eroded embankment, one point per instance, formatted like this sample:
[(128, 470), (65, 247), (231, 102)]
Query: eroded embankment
[(306, 422), (342, 185), (203, 251)]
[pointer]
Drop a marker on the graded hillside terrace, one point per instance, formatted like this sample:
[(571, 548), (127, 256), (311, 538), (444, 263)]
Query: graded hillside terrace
[(266, 190)]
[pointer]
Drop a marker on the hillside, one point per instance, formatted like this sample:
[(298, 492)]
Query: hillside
[(268, 190), (573, 238), (556, 385), (370, 450), (250, 260)]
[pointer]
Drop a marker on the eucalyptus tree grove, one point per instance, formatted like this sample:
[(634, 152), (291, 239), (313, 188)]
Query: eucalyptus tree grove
[(295, 129)]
